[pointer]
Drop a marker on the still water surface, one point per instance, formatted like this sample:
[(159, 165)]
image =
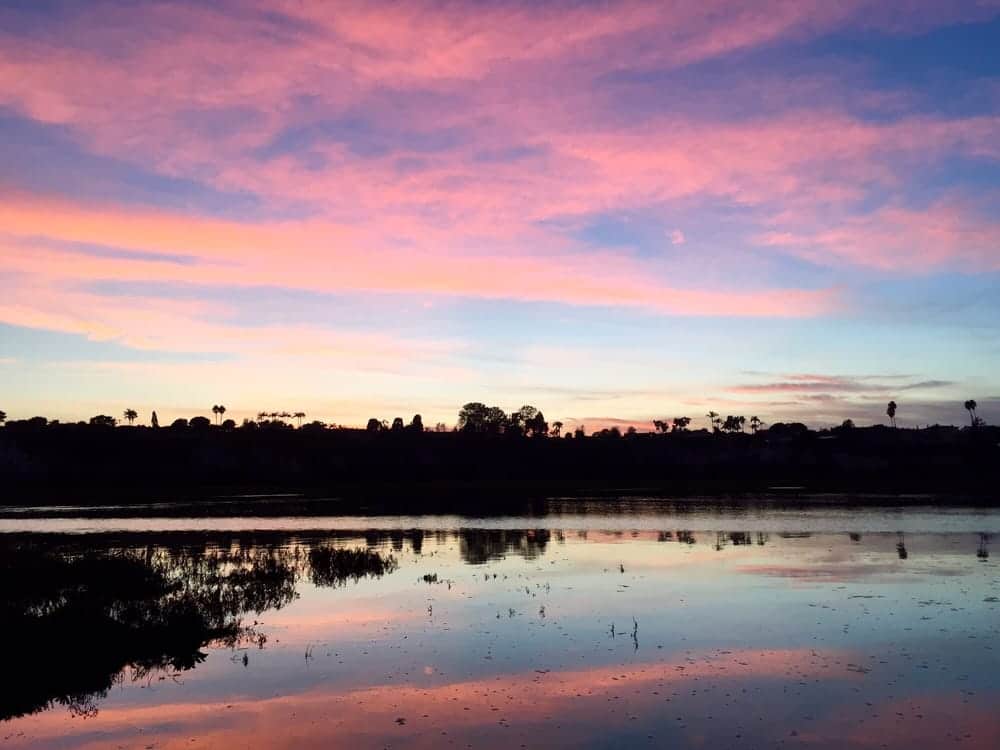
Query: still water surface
[(655, 625)]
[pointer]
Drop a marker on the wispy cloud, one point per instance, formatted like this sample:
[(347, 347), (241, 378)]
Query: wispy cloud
[(809, 383), (324, 256), (450, 154)]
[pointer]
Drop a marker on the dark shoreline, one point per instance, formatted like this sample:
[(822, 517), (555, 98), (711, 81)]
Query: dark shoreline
[(415, 472)]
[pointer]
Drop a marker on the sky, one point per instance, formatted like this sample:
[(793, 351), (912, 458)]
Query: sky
[(614, 211)]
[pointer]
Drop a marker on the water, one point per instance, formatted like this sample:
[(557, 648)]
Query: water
[(648, 625)]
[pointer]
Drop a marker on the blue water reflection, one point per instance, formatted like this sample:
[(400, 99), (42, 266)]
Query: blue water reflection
[(808, 628)]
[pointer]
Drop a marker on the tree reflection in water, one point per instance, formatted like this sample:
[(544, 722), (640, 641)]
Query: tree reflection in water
[(76, 622), (333, 566), (479, 546)]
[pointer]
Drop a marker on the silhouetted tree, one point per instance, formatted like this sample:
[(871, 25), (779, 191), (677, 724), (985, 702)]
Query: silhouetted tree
[(529, 421), (374, 425), (261, 416), (179, 424), (299, 416), (755, 424), (890, 411), (607, 433), (556, 430), (228, 425), (970, 406), (397, 424), (3, 417), (218, 410), (716, 421), (580, 432), (103, 420), (681, 424), (660, 425), (440, 427), (847, 424), (417, 423), (130, 415), (200, 423), (154, 421), (496, 420), (476, 417), (472, 417), (734, 424)]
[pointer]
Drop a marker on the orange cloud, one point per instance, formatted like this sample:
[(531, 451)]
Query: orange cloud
[(320, 256)]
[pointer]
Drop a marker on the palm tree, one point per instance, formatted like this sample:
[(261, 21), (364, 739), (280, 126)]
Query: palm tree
[(130, 415), (299, 415), (755, 424), (714, 418), (261, 416), (3, 417), (218, 410), (970, 406), (556, 430), (890, 411)]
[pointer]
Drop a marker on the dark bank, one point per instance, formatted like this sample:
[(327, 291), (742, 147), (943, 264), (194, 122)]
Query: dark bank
[(79, 462)]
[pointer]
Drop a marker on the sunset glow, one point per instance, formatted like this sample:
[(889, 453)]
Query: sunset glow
[(617, 212)]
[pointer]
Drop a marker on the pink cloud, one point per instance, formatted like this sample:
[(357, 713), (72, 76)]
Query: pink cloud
[(140, 111), (473, 140), (942, 235), (489, 76), (322, 256)]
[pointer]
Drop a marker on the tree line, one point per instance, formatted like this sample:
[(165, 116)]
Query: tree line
[(475, 418)]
